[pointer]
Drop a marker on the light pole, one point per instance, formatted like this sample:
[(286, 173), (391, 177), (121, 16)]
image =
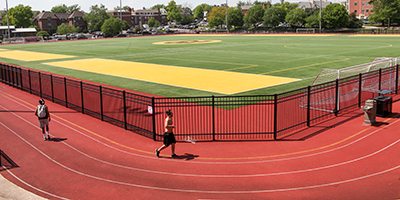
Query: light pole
[(8, 23), (226, 16), (120, 12), (320, 15)]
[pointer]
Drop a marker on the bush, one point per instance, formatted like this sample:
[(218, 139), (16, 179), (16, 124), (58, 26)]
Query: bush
[(43, 34)]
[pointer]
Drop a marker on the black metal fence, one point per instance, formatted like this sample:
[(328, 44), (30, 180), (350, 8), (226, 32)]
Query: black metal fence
[(260, 117)]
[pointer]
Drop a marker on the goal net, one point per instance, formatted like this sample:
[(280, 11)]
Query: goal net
[(305, 30), (32, 39), (324, 99)]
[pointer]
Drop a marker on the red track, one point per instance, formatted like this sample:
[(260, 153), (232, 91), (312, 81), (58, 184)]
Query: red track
[(90, 159)]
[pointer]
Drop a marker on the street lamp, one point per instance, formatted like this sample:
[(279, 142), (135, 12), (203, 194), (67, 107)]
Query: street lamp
[(320, 15), (120, 12), (226, 16), (8, 23)]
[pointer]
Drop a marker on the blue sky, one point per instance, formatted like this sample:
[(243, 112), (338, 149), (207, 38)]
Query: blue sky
[(110, 4)]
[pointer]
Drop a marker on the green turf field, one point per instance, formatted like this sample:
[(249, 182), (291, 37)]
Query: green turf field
[(300, 57)]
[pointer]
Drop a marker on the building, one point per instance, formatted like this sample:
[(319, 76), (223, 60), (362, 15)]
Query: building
[(362, 8), (47, 21), (141, 17)]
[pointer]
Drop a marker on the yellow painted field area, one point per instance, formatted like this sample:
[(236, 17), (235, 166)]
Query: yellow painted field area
[(200, 79), (31, 56)]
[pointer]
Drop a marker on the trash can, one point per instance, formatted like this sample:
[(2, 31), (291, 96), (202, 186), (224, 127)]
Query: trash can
[(383, 106), (370, 111)]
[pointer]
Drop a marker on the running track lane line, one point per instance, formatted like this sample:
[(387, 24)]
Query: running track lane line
[(231, 176), (203, 191), (259, 157)]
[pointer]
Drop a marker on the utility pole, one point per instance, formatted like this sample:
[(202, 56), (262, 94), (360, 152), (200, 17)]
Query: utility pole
[(8, 23), (120, 12), (320, 15), (226, 17)]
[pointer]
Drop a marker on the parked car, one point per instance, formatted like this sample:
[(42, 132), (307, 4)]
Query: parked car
[(80, 37), (121, 35)]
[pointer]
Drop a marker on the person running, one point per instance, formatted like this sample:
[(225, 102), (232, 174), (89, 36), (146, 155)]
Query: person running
[(43, 114), (169, 138)]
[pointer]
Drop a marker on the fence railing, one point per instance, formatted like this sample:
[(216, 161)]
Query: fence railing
[(258, 117)]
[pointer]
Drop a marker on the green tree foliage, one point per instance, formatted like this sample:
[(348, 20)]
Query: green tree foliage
[(111, 26), (43, 34), (155, 7), (125, 25), (296, 17), (20, 16), (153, 22), (254, 15), (335, 16), (174, 11), (216, 21), (96, 17), (187, 19), (384, 9), (312, 21), (274, 16), (218, 12), (235, 17), (33, 26), (62, 8), (123, 8), (287, 6), (198, 12), (65, 28), (267, 4), (354, 22)]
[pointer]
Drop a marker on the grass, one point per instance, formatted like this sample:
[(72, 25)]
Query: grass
[(299, 57)]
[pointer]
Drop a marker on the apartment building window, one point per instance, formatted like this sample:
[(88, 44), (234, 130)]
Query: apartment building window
[(363, 11), (49, 19), (372, 10), (355, 3), (363, 3), (367, 12), (355, 11)]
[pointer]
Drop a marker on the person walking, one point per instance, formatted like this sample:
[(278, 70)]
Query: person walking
[(169, 138), (43, 114)]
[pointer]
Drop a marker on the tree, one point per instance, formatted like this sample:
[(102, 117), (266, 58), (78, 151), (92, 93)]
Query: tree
[(384, 9), (62, 8), (43, 34), (20, 16), (187, 19), (125, 25), (274, 16), (155, 7), (254, 15), (312, 21), (354, 22), (296, 17), (335, 16), (216, 21), (198, 12), (287, 6), (96, 17), (65, 28), (173, 11), (235, 17), (153, 22), (111, 26), (218, 12), (123, 8)]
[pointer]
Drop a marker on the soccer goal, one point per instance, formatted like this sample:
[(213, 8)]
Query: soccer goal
[(326, 100), (305, 30)]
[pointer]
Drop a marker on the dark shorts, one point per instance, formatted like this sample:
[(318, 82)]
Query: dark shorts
[(169, 139)]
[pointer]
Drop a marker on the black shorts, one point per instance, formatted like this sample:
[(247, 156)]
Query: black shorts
[(169, 139)]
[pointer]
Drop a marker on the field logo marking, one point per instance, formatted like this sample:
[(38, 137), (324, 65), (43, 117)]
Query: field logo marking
[(178, 42)]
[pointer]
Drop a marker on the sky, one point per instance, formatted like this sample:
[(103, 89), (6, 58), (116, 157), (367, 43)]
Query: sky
[(40, 5)]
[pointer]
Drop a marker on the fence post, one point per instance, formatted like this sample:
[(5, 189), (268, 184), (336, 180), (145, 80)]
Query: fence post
[(275, 115), (380, 78), (65, 90), (397, 78), (40, 85), (20, 77), (12, 76), (153, 116), (213, 117), (124, 99), (337, 98), (52, 88), (359, 89), (101, 103), (83, 108), (308, 105), (1, 73), (30, 82)]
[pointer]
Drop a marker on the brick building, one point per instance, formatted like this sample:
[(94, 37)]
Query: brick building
[(362, 8), (140, 17), (47, 21)]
